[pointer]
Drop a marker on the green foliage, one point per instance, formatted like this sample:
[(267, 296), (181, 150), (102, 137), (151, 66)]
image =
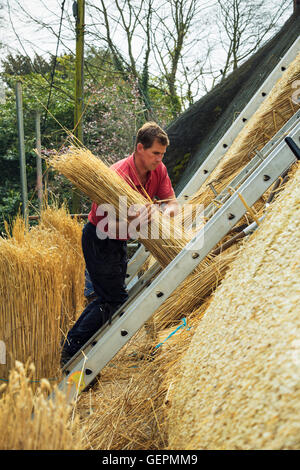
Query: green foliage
[(113, 112), (35, 97), (180, 167)]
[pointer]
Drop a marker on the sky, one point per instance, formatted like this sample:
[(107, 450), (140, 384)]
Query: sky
[(32, 37), (21, 35)]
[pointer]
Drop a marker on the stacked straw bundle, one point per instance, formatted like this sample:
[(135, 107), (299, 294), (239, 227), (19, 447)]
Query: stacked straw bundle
[(238, 386), (272, 114), (41, 292), (31, 298), (50, 427), (57, 220), (104, 186)]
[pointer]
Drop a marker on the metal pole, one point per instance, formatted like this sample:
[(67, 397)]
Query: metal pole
[(79, 12), (19, 104), (39, 172)]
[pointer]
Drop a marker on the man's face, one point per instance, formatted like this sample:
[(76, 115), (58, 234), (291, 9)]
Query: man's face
[(152, 156)]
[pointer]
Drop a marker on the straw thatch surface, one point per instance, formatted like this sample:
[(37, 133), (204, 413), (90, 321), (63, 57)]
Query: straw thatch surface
[(272, 114), (239, 385)]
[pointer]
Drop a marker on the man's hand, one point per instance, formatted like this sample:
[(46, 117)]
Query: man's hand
[(171, 209), (139, 218)]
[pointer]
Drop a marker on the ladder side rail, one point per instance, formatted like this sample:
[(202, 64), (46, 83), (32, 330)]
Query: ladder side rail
[(253, 164)]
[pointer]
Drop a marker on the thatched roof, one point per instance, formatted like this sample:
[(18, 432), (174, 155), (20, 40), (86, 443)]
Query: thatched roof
[(239, 384)]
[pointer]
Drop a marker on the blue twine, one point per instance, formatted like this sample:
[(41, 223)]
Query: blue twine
[(173, 333)]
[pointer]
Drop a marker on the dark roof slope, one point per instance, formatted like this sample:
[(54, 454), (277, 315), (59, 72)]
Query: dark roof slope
[(194, 133)]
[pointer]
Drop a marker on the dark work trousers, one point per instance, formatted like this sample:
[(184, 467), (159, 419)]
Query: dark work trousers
[(106, 263)]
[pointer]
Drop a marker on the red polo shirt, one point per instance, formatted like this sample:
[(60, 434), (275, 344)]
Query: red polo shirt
[(158, 183)]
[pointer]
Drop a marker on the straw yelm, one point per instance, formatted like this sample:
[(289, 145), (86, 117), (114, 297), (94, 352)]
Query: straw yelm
[(103, 185), (41, 291)]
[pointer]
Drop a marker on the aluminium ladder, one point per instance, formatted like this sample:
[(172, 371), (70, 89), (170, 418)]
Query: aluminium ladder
[(80, 371), (219, 150), (225, 194)]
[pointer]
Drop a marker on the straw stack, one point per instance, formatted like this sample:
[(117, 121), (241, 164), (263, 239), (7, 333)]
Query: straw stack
[(104, 186), (272, 114), (29, 421), (57, 220), (238, 386), (31, 298), (41, 292)]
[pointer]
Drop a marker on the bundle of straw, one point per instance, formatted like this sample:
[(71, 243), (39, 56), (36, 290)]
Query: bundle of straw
[(30, 421), (104, 186), (31, 289), (41, 291), (58, 220)]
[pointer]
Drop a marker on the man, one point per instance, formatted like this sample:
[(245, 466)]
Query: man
[(106, 256)]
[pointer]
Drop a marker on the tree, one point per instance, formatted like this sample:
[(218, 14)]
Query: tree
[(109, 98), (163, 33), (182, 48), (20, 64), (244, 26)]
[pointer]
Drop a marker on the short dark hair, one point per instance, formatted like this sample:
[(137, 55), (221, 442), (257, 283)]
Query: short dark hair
[(150, 132)]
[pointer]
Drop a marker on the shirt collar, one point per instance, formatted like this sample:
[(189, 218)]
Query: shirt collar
[(133, 173)]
